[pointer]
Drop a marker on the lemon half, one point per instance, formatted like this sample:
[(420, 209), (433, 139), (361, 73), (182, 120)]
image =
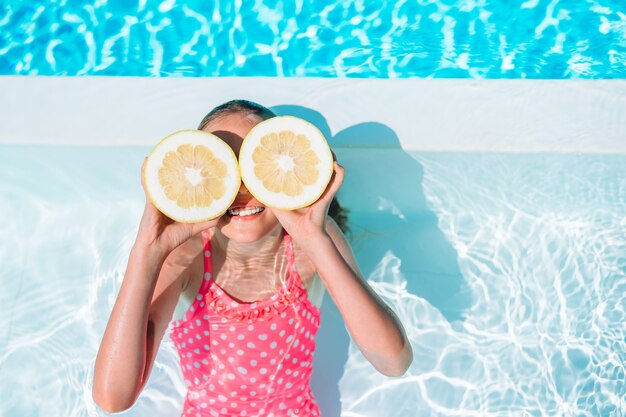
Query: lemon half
[(192, 176), (285, 162)]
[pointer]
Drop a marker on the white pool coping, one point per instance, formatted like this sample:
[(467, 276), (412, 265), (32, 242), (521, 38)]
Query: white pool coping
[(425, 114)]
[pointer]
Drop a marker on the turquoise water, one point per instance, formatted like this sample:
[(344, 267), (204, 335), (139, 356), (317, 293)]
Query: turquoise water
[(410, 38), (508, 272)]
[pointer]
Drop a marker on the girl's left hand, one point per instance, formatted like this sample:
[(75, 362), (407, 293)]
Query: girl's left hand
[(310, 221)]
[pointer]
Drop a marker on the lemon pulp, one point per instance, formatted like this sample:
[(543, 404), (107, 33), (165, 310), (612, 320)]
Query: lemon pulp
[(285, 162), (192, 176)]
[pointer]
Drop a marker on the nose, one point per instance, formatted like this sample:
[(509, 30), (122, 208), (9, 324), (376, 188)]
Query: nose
[(243, 190)]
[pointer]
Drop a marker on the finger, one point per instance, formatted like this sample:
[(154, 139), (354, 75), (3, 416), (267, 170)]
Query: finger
[(199, 227), (338, 177), (340, 174), (143, 172), (150, 206), (149, 202), (281, 212), (335, 182)]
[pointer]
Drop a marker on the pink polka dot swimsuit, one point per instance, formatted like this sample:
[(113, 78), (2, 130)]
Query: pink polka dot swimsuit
[(248, 359)]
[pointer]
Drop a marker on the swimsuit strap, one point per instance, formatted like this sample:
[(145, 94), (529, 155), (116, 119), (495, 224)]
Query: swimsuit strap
[(291, 260), (211, 295), (293, 279)]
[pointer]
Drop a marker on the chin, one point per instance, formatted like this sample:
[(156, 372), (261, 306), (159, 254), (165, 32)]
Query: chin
[(246, 232)]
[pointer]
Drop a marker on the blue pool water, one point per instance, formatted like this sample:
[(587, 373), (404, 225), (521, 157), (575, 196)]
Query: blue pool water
[(364, 38), (508, 272)]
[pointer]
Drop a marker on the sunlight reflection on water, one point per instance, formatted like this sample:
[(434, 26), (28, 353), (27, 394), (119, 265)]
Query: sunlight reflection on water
[(546, 267), (507, 270)]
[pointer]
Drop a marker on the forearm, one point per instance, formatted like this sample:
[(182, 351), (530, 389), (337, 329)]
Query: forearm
[(121, 359), (373, 326)]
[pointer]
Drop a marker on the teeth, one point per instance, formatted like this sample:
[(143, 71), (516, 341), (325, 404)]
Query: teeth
[(245, 212)]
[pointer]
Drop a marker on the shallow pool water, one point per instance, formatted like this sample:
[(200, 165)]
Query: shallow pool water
[(507, 270)]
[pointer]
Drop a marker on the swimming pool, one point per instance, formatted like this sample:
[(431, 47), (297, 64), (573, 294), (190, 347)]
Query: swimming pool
[(536, 39), (490, 214), (506, 267)]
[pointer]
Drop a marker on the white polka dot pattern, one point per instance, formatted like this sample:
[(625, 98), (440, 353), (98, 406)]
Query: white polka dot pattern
[(248, 359)]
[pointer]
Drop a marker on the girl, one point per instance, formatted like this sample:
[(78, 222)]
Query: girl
[(245, 283)]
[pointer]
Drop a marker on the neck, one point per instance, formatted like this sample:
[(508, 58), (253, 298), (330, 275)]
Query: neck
[(244, 253)]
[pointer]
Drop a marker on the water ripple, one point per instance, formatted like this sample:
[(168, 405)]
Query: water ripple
[(442, 39), (541, 243)]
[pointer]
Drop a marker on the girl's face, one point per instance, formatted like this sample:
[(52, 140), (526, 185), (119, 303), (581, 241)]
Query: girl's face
[(235, 225)]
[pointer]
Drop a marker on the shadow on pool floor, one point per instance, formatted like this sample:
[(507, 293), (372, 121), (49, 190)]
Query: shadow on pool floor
[(388, 214)]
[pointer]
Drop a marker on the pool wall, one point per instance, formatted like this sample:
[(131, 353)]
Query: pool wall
[(425, 114)]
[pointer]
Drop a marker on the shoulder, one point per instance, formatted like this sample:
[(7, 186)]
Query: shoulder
[(304, 266), (307, 268), (310, 279)]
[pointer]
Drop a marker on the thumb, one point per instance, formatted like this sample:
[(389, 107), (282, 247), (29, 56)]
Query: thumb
[(199, 227)]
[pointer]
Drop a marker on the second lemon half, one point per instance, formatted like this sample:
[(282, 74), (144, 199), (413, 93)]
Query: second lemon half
[(285, 162)]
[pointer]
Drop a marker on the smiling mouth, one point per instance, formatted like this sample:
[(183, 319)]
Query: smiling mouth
[(242, 212)]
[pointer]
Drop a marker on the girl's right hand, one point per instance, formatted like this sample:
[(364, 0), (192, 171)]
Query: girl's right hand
[(159, 232)]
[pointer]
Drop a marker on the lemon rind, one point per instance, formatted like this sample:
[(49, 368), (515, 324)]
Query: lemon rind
[(326, 180), (200, 220)]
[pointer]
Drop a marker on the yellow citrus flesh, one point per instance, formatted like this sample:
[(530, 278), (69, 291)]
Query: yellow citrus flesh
[(285, 162), (192, 176)]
